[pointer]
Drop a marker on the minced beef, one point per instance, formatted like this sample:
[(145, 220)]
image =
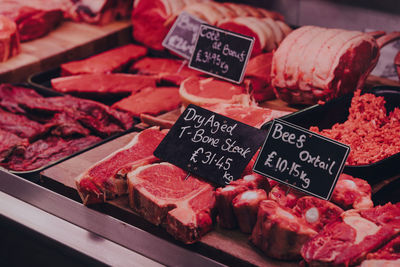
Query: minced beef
[(371, 134)]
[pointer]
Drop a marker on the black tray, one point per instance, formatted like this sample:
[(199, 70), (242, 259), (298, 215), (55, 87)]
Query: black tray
[(336, 111), (33, 174)]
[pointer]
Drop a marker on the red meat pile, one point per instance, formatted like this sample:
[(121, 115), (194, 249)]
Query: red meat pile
[(370, 132), (36, 130)]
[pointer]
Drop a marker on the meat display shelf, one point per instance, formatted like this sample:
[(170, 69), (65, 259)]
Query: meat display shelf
[(88, 231)]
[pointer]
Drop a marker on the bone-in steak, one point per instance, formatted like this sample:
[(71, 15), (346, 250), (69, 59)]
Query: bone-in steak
[(160, 193), (106, 178)]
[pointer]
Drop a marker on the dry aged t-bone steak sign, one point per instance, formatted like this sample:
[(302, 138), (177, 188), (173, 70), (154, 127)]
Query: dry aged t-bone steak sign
[(182, 37), (221, 53), (210, 145), (301, 159)]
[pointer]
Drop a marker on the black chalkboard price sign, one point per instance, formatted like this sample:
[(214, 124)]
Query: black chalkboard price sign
[(221, 53), (301, 159), (210, 145), (181, 38)]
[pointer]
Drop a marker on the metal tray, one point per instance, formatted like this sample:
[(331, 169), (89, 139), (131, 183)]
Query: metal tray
[(336, 111), (33, 174)]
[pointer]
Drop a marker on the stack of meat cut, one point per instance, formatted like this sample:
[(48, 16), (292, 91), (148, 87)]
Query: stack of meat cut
[(37, 130)]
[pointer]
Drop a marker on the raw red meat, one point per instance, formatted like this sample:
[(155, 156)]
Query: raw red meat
[(314, 63), (99, 118), (317, 212), (284, 195), (9, 39), (150, 20), (160, 193), (107, 178), (113, 60), (352, 192), (20, 125), (391, 251), (11, 97), (102, 85), (224, 197), (252, 115), (167, 70), (253, 181), (9, 143), (278, 232), (245, 207), (206, 91), (64, 124), (34, 18), (357, 233), (258, 71), (267, 32), (97, 12), (380, 263), (45, 151), (150, 100)]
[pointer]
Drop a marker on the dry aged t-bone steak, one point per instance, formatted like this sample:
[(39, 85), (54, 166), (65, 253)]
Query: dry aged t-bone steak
[(9, 39), (102, 85), (114, 60), (107, 178), (357, 233), (160, 193)]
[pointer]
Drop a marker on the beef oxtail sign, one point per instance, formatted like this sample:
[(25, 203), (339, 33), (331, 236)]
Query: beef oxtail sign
[(210, 145), (182, 36), (301, 159), (221, 53)]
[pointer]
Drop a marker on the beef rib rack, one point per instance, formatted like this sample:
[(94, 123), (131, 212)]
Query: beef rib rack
[(162, 195)]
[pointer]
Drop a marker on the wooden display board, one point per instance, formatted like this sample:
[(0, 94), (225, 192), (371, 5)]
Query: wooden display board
[(69, 41)]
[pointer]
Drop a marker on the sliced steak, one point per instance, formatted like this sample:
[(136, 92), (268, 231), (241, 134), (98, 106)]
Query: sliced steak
[(9, 39), (317, 212), (245, 207), (107, 178), (11, 97), (352, 192), (160, 193), (46, 151), (64, 124), (113, 60), (278, 232), (150, 100), (20, 125), (102, 85), (9, 143)]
